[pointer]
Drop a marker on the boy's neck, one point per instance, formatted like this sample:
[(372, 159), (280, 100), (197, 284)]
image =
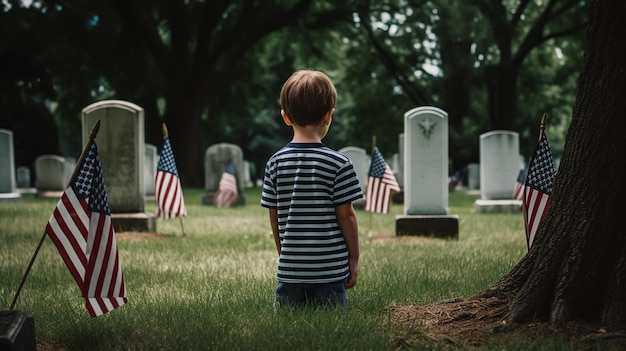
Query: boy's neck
[(308, 134)]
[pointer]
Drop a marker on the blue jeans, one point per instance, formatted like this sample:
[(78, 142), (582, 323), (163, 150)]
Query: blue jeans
[(329, 294)]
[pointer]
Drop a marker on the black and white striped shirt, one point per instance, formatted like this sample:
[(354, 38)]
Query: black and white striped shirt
[(305, 182)]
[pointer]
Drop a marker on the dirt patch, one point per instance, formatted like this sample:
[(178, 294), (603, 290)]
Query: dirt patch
[(475, 321)]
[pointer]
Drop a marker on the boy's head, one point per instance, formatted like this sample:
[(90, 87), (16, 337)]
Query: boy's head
[(307, 96)]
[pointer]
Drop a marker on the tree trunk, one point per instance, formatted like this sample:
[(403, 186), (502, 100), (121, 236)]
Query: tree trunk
[(502, 94), (576, 268)]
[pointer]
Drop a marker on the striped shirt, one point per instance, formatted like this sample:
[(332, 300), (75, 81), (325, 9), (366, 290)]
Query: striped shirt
[(305, 182)]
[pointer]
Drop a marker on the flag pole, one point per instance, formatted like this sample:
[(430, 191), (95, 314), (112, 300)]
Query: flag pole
[(92, 136), (166, 135), (373, 149), (542, 125)]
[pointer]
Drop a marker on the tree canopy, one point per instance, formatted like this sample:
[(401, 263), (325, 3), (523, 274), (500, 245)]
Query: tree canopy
[(212, 70)]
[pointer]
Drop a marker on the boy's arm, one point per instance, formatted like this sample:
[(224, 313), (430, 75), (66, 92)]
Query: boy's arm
[(274, 225), (346, 217)]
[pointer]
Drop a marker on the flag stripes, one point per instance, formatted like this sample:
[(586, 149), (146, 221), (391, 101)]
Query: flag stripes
[(227, 193), (518, 191), (82, 230), (169, 193), (169, 196), (380, 185), (537, 204), (538, 188)]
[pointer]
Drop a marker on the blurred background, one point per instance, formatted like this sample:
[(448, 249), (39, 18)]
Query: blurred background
[(212, 70)]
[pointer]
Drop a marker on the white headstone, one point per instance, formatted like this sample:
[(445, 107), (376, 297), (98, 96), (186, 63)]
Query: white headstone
[(499, 164), (426, 161), (8, 184), (50, 175), (151, 162), (360, 162), (247, 179), (473, 176), (69, 167), (400, 176)]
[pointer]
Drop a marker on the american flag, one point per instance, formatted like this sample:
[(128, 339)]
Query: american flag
[(169, 194), (380, 185), (538, 188), (518, 191), (82, 230), (227, 193)]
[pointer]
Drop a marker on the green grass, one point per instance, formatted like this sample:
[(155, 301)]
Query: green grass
[(214, 288)]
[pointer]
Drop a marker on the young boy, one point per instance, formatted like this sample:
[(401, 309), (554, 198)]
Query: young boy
[(309, 189)]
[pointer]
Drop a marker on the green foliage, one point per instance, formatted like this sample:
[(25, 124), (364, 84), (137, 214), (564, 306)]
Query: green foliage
[(212, 70)]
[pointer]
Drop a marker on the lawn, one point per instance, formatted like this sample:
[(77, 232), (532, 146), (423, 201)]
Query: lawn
[(213, 288)]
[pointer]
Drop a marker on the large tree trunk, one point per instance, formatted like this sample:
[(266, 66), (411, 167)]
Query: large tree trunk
[(576, 268), (502, 93)]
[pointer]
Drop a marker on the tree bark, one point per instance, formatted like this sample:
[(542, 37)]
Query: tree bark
[(576, 268)]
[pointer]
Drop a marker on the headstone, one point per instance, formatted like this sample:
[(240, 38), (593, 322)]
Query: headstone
[(17, 331), (499, 168), (8, 185), (216, 158), (247, 179), (360, 162), (121, 148), (151, 161), (50, 176), (426, 175), (473, 178), (69, 166), (400, 178), (22, 175)]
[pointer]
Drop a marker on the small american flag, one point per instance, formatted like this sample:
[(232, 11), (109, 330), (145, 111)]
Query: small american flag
[(518, 191), (169, 194), (227, 194), (82, 230), (380, 185), (538, 188)]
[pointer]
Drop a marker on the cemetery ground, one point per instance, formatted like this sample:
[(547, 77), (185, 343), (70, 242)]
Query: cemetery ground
[(213, 288)]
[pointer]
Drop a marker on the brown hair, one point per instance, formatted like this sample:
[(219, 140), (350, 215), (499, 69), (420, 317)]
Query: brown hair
[(307, 96)]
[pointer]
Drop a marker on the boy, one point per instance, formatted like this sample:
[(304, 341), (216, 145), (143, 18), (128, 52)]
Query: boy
[(309, 189)]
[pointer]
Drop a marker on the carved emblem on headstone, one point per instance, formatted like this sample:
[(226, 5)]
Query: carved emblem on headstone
[(427, 126)]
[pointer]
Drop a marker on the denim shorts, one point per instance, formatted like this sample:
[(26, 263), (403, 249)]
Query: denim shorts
[(330, 294)]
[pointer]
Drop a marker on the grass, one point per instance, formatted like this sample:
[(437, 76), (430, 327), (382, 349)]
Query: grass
[(213, 289)]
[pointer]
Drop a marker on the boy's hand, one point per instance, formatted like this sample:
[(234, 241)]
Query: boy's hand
[(353, 264)]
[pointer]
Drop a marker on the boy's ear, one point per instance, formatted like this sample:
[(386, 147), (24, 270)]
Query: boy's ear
[(329, 116), (285, 118)]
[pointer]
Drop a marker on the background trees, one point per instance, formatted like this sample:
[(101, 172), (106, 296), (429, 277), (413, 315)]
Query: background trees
[(212, 69)]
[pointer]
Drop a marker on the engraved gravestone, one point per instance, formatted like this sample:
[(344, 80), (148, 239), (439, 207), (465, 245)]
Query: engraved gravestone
[(121, 148), (50, 173), (426, 175), (8, 184), (499, 169), (216, 158)]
